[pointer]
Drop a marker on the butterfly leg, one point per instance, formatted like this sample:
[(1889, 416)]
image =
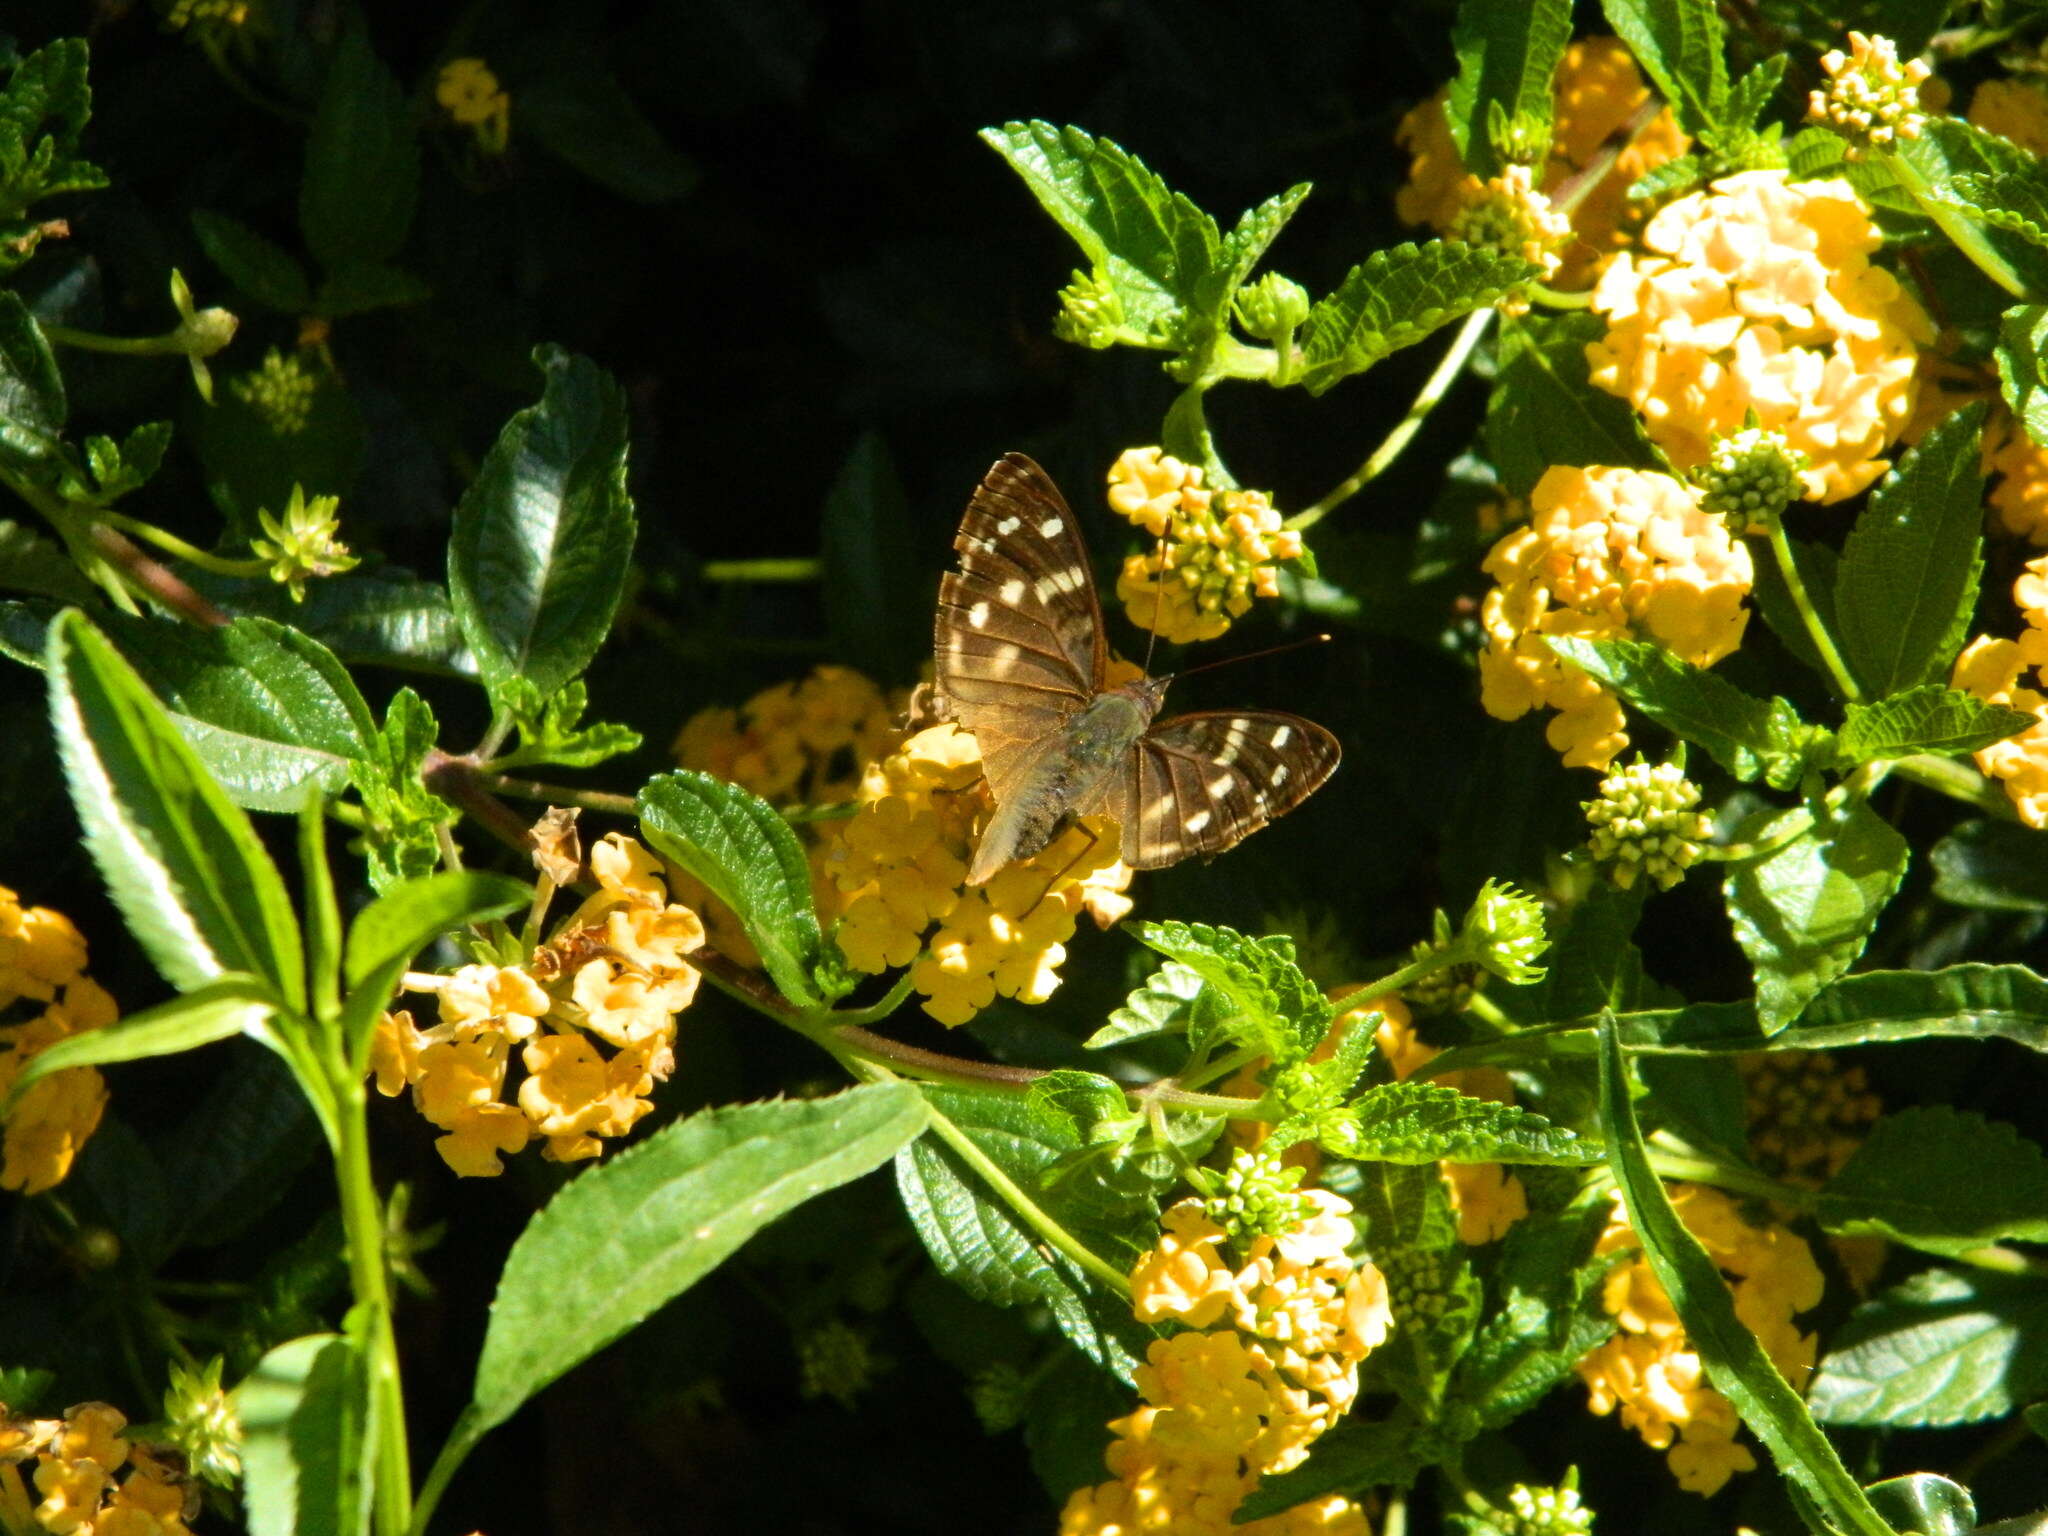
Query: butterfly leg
[(1060, 874)]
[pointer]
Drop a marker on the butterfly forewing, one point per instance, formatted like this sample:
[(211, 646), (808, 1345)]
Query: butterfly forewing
[(1200, 783)]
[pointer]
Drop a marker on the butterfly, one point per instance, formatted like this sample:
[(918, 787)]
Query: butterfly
[(1022, 663)]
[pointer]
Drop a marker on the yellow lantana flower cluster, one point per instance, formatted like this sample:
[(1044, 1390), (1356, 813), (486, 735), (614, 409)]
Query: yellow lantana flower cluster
[(2019, 496), (1506, 213), (1216, 549), (72, 1486), (1759, 295), (899, 869), (1607, 554), (1598, 88), (1807, 1113), (1870, 97), (1269, 1362), (1648, 1369), (42, 965), (615, 973), (798, 743), (1992, 669), (2013, 109), (470, 94)]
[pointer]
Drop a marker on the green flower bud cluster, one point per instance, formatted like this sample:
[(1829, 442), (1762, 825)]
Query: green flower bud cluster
[(1548, 1511), (1415, 1287), (281, 392), (1443, 991), (1091, 314), (303, 543), (1259, 1197), (1647, 822), (1272, 307), (199, 1418), (1504, 933), (1750, 477), (836, 1362)]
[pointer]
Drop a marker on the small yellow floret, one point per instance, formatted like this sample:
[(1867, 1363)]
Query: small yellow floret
[(470, 94), (42, 961), (1870, 97), (1993, 669)]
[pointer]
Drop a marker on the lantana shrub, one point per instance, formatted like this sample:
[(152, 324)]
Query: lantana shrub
[(502, 1025)]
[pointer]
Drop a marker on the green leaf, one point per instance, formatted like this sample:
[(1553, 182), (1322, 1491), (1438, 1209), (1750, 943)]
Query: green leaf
[(1947, 1346), (739, 846), (1925, 1502), (1994, 866), (362, 161), (543, 537), (43, 113), (1545, 411), (1942, 1180), (1735, 1361), (875, 585), (1678, 44), (636, 1231), (1508, 50), (183, 864), (1247, 243), (583, 116), (401, 814), (306, 1445), (1411, 1233), (218, 1010), (1397, 297), (1355, 1455), (1428, 1122), (385, 617), (1803, 912), (31, 563), (1164, 1005), (32, 404), (388, 932), (1278, 1008), (980, 1243), (1155, 248), (550, 728), (257, 265), (1908, 579), (1817, 564), (128, 465), (1750, 737), (1595, 963), (2022, 333), (363, 286), (1930, 718)]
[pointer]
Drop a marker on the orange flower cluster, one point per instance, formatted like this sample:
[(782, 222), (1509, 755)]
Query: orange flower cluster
[(1269, 1363), (1607, 554), (1647, 1368), (1992, 669), (615, 974), (72, 1489), (42, 964)]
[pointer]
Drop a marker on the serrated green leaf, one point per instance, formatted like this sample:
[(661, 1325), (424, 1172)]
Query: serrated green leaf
[(217, 1010), (362, 161), (386, 617), (1736, 1362), (636, 1231), (739, 846), (1678, 43), (1247, 243), (1930, 718), (1908, 578), (1994, 866), (1164, 1005), (32, 404), (1803, 912), (543, 537), (2022, 333), (1397, 297), (1545, 411), (2014, 201), (1428, 1122), (183, 864), (1154, 246), (1508, 50), (1927, 168), (1278, 1008), (400, 812), (1944, 1347), (1753, 93), (1671, 179), (307, 1445), (1750, 737), (254, 263), (31, 563), (1411, 1233), (43, 113), (1942, 1180), (980, 1244)]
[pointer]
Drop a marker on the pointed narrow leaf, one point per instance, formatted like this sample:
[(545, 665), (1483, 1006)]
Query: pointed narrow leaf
[(1678, 43), (306, 1449), (1397, 297), (631, 1234), (184, 865), (1994, 866), (2022, 373), (1246, 244), (1735, 1361), (744, 852), (222, 1008), (362, 160), (1507, 52), (543, 537)]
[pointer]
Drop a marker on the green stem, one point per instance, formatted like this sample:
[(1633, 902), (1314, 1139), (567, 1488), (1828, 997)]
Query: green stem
[(556, 794), (798, 568), (362, 1219), (1823, 642), (469, 1430), (1394, 981), (1691, 1168), (130, 346), (191, 554), (1434, 388), (1959, 781), (1550, 298)]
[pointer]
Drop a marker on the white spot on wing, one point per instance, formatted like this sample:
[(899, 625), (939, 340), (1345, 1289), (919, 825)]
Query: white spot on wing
[(1220, 784), (1050, 528), (1007, 526), (1279, 774), (1008, 652), (978, 615), (1282, 735), (1013, 590), (1198, 821)]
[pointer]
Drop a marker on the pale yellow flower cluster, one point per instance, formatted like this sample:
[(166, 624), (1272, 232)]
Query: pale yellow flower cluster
[(1598, 88), (2019, 496), (1506, 213), (1870, 97), (1608, 554), (1759, 295), (615, 974), (899, 870), (1269, 1363), (797, 743), (2013, 109), (1647, 1368), (1807, 1113), (1215, 552), (42, 963), (72, 1488), (469, 93), (1992, 669)]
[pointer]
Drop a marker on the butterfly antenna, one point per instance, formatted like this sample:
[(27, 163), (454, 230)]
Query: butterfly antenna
[(1271, 650), (1158, 602)]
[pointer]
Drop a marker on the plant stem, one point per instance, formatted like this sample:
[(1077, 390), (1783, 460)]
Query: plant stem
[(1823, 642), (1550, 298), (130, 346), (152, 578), (462, 1439), (598, 800), (1434, 388), (799, 568), (192, 554), (362, 1218), (1694, 1169), (1958, 781)]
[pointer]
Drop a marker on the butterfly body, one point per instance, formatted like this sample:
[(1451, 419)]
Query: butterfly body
[(1023, 664)]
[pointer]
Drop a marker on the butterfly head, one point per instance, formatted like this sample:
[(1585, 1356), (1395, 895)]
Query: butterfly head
[(1148, 693)]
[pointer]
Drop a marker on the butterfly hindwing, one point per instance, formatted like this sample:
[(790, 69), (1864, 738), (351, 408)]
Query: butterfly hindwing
[(1201, 783)]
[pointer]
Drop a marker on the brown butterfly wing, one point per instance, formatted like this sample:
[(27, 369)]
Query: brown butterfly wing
[(1201, 783), (1018, 639)]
